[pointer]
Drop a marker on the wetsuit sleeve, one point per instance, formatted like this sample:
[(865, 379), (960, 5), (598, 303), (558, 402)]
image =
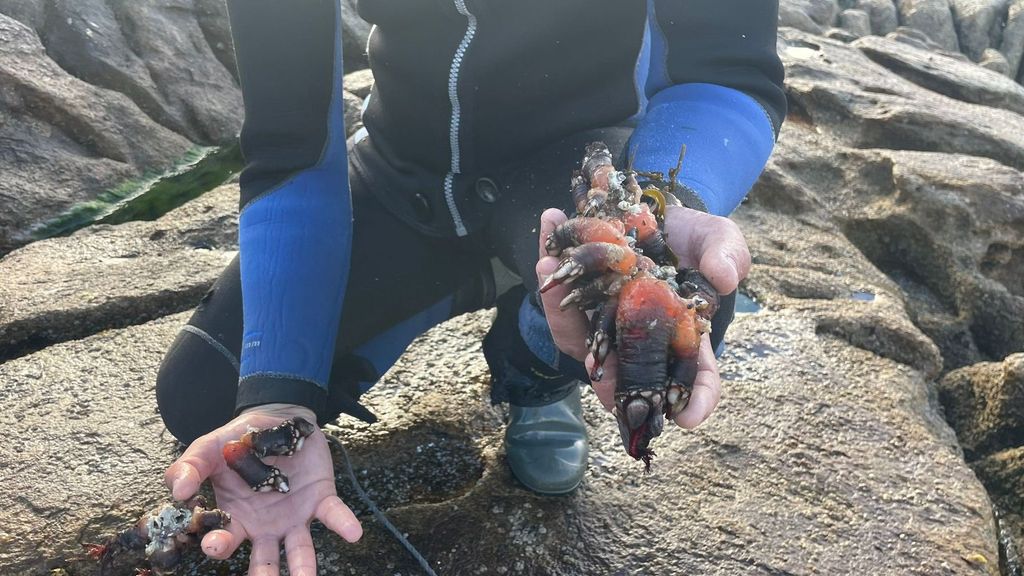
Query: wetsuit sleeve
[(295, 223), (715, 85)]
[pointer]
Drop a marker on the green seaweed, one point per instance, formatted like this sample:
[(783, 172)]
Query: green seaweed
[(151, 196)]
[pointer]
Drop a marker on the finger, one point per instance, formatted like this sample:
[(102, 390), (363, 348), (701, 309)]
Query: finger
[(334, 514), (707, 389), (265, 559), (298, 548), (713, 244), (568, 327), (605, 388), (725, 258), (549, 220), (221, 544), (200, 459)]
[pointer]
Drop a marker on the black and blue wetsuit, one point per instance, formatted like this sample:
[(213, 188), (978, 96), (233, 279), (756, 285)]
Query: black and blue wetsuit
[(480, 109)]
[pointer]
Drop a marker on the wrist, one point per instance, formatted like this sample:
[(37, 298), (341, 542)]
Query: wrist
[(283, 410), (259, 390)]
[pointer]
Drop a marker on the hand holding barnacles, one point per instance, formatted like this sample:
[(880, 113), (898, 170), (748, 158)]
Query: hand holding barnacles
[(586, 263), (270, 518)]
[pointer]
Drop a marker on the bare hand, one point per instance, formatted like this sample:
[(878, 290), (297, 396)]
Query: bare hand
[(712, 244), (266, 518)]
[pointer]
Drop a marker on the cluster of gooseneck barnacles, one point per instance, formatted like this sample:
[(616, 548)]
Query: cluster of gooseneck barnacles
[(165, 532), (615, 253), (244, 455)]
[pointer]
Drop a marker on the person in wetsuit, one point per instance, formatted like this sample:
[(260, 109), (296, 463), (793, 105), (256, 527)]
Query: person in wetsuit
[(350, 249)]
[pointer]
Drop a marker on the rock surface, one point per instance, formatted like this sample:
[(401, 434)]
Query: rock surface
[(883, 15), (91, 450), (857, 22), (137, 49), (933, 17), (841, 34), (805, 461), (979, 24), (353, 112), (944, 225), (212, 17), (94, 94), (359, 83), (978, 28), (29, 12), (65, 140), (795, 17), (104, 276), (862, 105), (919, 39), (985, 405), (945, 74), (1003, 475), (1012, 45), (992, 59)]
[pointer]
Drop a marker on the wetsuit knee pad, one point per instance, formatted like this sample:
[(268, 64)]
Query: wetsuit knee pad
[(195, 387)]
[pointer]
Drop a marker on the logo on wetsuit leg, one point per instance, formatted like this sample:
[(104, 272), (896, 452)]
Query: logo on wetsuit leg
[(252, 341)]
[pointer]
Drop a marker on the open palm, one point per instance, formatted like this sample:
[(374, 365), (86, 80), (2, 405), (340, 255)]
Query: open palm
[(267, 518)]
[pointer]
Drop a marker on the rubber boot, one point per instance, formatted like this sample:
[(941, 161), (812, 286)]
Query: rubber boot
[(547, 445), (546, 439)]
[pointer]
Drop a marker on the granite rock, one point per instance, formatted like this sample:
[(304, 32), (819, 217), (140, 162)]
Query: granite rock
[(979, 24), (944, 74), (985, 405), (106, 276), (932, 17), (857, 22), (883, 14)]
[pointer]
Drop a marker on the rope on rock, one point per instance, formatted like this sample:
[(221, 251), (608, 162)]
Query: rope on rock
[(373, 506)]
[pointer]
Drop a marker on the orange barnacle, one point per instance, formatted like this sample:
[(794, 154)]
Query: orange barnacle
[(599, 178), (234, 452), (591, 258), (643, 221), (597, 230), (583, 230), (622, 260), (260, 476), (649, 304), (646, 292), (686, 340), (645, 264)]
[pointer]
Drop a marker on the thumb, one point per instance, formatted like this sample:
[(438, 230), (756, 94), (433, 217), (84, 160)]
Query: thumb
[(187, 473), (713, 244), (568, 327)]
